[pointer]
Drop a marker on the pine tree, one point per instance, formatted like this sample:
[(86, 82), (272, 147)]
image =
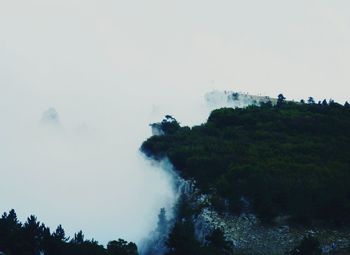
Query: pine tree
[(280, 100), (311, 100)]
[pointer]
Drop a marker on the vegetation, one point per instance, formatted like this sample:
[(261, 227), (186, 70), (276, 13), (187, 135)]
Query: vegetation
[(287, 159), (33, 237), (182, 239), (308, 246), (275, 160)]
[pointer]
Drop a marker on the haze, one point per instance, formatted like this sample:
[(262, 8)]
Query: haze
[(109, 68)]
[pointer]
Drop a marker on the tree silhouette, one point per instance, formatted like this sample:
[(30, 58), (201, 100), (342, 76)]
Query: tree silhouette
[(308, 246), (78, 238), (217, 243), (10, 233), (60, 234), (280, 100), (121, 247), (311, 100), (33, 237), (182, 239), (162, 224)]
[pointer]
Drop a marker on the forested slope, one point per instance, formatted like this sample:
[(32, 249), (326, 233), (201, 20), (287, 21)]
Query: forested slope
[(286, 159)]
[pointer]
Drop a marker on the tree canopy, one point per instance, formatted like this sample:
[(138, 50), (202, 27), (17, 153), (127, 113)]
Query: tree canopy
[(289, 159), (34, 237)]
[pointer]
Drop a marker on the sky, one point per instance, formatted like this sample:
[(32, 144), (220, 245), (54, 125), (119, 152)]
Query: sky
[(109, 68)]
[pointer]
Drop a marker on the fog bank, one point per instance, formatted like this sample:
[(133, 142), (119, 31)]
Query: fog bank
[(81, 80)]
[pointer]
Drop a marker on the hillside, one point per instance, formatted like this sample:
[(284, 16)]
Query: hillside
[(289, 159)]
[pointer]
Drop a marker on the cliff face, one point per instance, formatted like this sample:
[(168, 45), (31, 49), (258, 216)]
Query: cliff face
[(248, 235)]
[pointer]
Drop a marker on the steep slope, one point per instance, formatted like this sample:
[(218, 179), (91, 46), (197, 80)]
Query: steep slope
[(288, 162)]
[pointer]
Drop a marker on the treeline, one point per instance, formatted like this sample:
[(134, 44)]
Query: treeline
[(33, 238), (291, 158)]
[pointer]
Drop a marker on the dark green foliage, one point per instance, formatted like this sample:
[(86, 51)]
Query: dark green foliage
[(10, 233), (169, 125), (280, 100), (59, 234), (217, 243), (182, 239), (32, 237), (78, 238), (121, 247), (291, 160), (308, 246), (311, 100), (32, 233)]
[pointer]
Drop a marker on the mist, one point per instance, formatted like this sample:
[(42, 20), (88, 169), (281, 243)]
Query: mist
[(108, 69)]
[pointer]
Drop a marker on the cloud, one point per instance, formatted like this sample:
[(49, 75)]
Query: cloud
[(109, 68)]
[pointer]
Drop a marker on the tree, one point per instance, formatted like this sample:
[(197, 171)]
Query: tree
[(121, 247), (308, 246), (169, 125), (59, 234), (182, 239), (162, 224), (347, 105), (32, 238), (311, 100), (324, 102), (280, 100), (78, 238), (228, 156), (217, 243), (33, 235), (10, 233), (267, 104), (48, 242)]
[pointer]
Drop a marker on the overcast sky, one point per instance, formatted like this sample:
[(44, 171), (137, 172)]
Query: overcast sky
[(110, 67)]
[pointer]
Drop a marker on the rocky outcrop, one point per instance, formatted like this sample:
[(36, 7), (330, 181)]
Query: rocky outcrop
[(247, 235)]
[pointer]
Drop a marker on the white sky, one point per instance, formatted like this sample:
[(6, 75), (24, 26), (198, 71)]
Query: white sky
[(113, 66)]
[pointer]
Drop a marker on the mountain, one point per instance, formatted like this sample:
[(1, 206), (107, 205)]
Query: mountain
[(279, 163)]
